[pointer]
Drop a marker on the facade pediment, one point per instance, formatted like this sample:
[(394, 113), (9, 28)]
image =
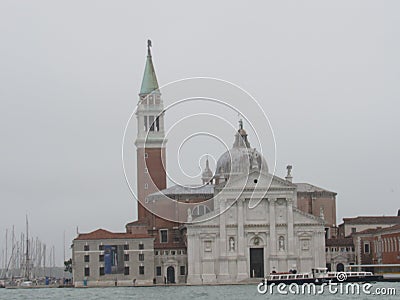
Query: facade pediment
[(302, 217)]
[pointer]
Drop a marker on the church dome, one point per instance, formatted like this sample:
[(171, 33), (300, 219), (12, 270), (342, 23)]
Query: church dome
[(241, 158)]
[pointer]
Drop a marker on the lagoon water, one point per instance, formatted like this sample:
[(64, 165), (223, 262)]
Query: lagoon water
[(178, 293)]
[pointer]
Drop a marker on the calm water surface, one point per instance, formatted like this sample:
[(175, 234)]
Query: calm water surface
[(177, 293)]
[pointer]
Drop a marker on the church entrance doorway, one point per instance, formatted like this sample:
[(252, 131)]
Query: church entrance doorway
[(340, 267), (256, 262), (170, 274)]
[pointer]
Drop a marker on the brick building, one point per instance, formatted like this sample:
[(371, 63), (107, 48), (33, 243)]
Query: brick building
[(378, 246), (357, 224), (315, 200)]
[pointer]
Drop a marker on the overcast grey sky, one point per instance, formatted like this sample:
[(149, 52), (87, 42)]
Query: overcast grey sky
[(325, 72)]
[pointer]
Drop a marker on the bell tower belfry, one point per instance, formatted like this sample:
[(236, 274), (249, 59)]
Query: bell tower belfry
[(150, 142)]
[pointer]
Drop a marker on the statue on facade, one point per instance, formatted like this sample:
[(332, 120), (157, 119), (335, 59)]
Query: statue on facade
[(321, 213), (281, 243), (231, 244)]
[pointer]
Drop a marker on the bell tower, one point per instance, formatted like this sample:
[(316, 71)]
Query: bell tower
[(150, 142)]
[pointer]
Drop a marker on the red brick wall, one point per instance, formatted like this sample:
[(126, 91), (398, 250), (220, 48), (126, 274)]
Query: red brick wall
[(155, 178), (392, 254), (312, 202)]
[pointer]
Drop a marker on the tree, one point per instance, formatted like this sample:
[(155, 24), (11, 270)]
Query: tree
[(68, 265)]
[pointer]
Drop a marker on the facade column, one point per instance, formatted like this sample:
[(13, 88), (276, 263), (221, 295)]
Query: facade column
[(240, 228), (272, 229), (223, 274), (241, 243), (273, 261), (290, 228), (193, 255), (292, 260), (161, 122), (319, 254)]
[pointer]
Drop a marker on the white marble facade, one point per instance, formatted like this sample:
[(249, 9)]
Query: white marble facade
[(221, 246)]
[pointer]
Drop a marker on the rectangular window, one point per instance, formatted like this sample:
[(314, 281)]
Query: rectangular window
[(158, 271), (141, 257), (126, 247), (101, 247), (101, 257), (353, 229), (101, 271), (366, 248), (87, 271), (141, 270), (126, 271), (141, 246), (157, 124), (183, 270), (173, 252), (86, 248), (156, 252), (126, 257), (86, 258), (176, 235), (145, 123), (164, 235)]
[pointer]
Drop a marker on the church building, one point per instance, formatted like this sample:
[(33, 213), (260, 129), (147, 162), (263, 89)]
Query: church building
[(226, 239), (240, 222)]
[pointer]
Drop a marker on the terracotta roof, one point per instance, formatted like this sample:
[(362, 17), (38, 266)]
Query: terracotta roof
[(367, 231), (373, 220), (137, 223), (379, 230), (102, 234), (309, 188), (340, 242), (207, 190)]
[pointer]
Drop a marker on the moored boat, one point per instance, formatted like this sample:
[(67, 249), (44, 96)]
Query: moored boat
[(320, 276)]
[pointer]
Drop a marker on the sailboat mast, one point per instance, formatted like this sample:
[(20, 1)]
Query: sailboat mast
[(27, 251), (6, 258), (13, 253)]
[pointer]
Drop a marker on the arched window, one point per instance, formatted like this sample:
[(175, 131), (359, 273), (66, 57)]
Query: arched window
[(200, 210)]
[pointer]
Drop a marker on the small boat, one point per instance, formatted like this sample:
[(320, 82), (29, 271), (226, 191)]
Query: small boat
[(320, 276), (26, 283)]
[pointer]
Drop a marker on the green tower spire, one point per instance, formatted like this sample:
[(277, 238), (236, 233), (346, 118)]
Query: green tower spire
[(149, 83)]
